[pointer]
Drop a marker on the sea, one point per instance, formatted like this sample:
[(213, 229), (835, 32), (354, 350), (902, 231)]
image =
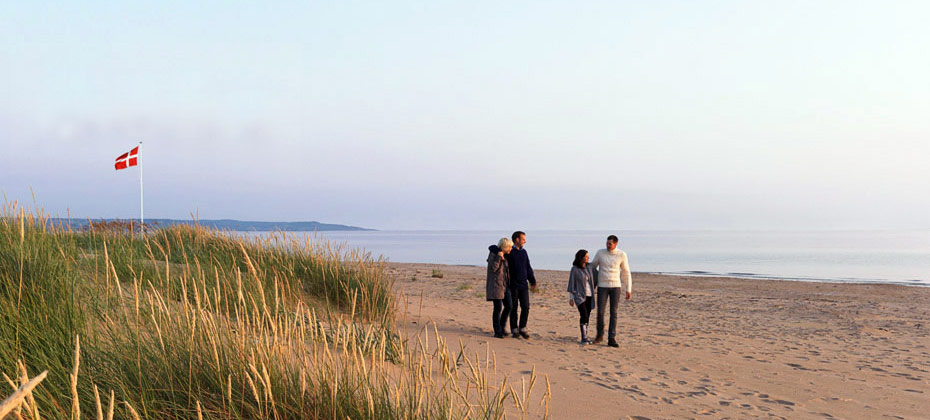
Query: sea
[(886, 256)]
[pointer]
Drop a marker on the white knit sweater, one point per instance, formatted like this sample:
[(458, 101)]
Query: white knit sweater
[(612, 268)]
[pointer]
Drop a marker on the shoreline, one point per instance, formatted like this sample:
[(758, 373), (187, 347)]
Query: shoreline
[(695, 346), (898, 257), (766, 277), (734, 276)]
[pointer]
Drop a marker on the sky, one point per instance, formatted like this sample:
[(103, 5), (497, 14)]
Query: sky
[(473, 115)]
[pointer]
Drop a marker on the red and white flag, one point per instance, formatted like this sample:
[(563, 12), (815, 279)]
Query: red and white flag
[(130, 158)]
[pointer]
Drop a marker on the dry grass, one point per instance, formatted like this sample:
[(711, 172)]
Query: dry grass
[(193, 323)]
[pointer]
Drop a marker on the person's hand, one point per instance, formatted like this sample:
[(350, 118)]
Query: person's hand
[(629, 295), (533, 287), (571, 302), (501, 254)]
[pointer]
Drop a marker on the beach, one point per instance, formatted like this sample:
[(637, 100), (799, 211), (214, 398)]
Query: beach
[(698, 347)]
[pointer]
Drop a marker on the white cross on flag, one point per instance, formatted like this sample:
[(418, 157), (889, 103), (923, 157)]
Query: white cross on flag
[(130, 158)]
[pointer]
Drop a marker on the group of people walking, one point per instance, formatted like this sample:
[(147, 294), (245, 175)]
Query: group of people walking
[(592, 283), (510, 279)]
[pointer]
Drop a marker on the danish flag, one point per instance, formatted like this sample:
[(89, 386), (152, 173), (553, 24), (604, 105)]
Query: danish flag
[(130, 158)]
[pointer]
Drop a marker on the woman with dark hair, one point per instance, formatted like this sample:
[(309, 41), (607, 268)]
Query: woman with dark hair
[(498, 282), (581, 290)]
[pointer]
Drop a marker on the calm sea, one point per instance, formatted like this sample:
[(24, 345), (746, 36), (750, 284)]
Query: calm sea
[(901, 257)]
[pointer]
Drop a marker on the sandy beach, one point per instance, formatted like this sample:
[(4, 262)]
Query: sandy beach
[(697, 347)]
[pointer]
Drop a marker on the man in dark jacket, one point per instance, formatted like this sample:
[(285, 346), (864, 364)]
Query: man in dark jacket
[(521, 280)]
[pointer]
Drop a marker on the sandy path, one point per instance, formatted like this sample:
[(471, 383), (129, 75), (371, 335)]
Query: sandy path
[(704, 347)]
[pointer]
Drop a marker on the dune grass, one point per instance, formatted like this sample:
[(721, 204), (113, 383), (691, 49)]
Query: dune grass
[(190, 323)]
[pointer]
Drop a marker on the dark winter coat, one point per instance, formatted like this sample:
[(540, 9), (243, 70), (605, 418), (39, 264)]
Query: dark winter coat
[(498, 274)]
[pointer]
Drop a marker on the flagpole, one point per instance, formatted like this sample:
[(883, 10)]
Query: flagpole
[(141, 199)]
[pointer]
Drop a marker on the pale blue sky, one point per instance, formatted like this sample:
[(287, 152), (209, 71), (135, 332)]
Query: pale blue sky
[(474, 115)]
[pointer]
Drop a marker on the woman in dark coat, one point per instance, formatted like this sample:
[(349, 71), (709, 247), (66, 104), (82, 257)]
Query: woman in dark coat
[(498, 281), (581, 286)]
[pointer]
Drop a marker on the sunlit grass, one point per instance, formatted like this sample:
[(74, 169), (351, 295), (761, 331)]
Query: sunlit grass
[(193, 323)]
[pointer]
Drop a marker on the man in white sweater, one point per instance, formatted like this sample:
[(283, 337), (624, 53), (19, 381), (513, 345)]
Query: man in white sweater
[(613, 275)]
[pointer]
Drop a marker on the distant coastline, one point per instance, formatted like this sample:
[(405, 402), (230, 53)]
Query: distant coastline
[(229, 224)]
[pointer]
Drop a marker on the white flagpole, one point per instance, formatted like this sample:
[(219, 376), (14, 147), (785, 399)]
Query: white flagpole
[(141, 200)]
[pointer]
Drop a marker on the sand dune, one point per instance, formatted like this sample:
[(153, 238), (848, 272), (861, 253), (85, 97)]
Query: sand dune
[(696, 347)]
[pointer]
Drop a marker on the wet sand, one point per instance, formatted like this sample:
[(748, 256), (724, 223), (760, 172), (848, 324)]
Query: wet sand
[(697, 347)]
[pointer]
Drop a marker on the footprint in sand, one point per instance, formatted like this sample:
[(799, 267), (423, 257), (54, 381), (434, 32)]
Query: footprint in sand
[(633, 389), (797, 366), (907, 376), (782, 402)]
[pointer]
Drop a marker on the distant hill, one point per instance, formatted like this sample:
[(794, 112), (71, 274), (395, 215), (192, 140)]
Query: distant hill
[(235, 225)]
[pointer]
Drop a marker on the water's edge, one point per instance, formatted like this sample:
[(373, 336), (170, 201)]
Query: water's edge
[(864, 257)]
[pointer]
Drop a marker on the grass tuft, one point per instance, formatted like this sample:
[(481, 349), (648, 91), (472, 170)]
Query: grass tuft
[(193, 323)]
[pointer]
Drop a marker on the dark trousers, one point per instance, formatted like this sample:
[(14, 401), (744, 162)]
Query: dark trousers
[(521, 297), (603, 294), (584, 310), (500, 314)]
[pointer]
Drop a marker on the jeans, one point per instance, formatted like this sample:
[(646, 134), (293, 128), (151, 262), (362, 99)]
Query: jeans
[(500, 313), (603, 293), (521, 297), (584, 310)]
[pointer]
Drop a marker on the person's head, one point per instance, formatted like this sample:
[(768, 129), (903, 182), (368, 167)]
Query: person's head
[(612, 241), (519, 239), (505, 245), (581, 258)]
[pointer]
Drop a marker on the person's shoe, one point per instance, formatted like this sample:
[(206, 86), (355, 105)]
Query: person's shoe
[(524, 334), (515, 335), (612, 343), (499, 335), (584, 335), (599, 339)]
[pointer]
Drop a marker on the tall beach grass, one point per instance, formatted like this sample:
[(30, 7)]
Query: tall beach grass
[(190, 323)]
